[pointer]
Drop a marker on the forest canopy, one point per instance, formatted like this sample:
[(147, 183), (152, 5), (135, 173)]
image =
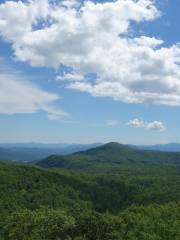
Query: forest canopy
[(99, 196)]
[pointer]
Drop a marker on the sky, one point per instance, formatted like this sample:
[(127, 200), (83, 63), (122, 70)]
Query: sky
[(90, 71)]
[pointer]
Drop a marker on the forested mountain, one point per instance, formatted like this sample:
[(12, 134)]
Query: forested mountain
[(28, 152), (111, 154), (111, 192)]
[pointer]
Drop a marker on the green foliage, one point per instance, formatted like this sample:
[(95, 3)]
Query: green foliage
[(99, 194), (154, 222), (36, 225)]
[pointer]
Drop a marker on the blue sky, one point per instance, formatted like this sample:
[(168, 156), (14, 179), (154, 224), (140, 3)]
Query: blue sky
[(80, 102)]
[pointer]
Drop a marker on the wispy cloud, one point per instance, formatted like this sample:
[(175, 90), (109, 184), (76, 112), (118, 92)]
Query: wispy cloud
[(19, 95), (111, 123)]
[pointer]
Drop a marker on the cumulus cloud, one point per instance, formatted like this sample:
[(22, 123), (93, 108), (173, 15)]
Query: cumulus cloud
[(17, 95), (156, 125), (139, 123), (94, 38)]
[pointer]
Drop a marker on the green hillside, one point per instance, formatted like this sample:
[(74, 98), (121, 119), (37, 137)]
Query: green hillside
[(112, 154), (111, 192)]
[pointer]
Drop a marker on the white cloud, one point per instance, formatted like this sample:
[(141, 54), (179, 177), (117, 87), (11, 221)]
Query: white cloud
[(17, 95), (111, 123), (95, 38), (156, 125), (70, 77), (139, 123)]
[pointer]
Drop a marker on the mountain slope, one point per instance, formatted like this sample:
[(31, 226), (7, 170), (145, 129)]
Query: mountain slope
[(26, 186), (111, 154), (43, 204)]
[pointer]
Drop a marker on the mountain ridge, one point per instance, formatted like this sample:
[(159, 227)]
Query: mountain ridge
[(29, 152), (111, 153)]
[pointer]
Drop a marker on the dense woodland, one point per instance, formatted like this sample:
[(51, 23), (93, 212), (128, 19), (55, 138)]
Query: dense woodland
[(111, 192)]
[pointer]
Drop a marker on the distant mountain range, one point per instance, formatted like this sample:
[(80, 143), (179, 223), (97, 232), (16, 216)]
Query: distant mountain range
[(28, 152), (170, 147), (47, 145)]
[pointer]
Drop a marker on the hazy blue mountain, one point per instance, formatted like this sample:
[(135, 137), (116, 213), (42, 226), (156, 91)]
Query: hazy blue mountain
[(170, 147), (26, 152), (34, 145)]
